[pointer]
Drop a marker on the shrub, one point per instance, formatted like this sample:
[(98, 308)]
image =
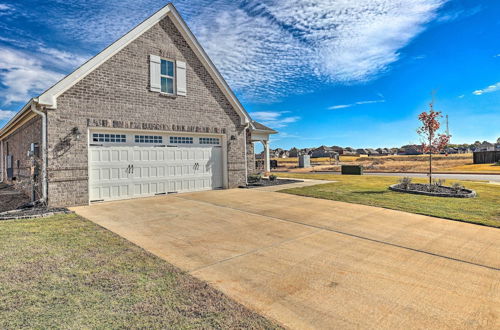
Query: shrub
[(497, 163), (272, 177), (405, 182), (254, 178), (436, 184), (457, 187)]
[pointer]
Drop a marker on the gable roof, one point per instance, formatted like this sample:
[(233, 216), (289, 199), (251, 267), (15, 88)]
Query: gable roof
[(259, 127), (49, 97)]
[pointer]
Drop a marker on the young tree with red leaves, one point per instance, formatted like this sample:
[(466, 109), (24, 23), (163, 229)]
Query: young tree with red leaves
[(432, 141)]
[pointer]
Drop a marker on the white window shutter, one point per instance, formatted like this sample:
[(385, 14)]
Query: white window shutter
[(154, 71), (181, 78)]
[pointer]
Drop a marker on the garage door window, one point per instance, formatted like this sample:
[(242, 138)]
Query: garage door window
[(149, 139), (181, 139), (113, 138), (209, 140)]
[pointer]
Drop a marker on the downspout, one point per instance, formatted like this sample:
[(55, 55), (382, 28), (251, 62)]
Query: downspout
[(44, 150)]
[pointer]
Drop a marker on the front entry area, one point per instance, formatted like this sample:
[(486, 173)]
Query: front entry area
[(131, 165)]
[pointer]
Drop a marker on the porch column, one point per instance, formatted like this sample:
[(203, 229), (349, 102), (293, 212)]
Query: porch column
[(267, 160)]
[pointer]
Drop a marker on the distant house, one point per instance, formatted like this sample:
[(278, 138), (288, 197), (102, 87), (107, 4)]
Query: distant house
[(323, 151), (306, 151), (372, 152), (485, 146), (410, 150), (348, 151), (394, 151), (294, 152), (338, 149), (278, 153), (451, 151), (464, 150), (284, 154)]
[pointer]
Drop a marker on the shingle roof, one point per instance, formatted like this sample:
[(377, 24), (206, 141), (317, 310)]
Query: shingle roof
[(261, 127)]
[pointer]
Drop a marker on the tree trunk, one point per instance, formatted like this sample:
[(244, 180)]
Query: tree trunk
[(430, 159), (430, 168)]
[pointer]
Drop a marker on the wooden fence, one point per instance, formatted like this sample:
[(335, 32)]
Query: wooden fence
[(486, 157)]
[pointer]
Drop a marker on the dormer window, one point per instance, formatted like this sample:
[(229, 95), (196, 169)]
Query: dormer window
[(167, 75)]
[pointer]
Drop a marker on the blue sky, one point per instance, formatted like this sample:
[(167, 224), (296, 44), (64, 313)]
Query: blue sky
[(332, 72)]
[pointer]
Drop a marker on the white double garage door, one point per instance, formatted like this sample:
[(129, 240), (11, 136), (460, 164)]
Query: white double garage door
[(132, 165)]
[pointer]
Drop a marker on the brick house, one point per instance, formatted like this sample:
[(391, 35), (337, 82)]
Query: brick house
[(148, 115)]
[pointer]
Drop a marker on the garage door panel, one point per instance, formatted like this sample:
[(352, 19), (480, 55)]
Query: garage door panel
[(118, 172)]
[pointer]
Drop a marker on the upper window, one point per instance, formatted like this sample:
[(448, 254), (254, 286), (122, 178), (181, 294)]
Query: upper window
[(205, 140), (167, 75), (114, 138), (149, 139), (181, 139)]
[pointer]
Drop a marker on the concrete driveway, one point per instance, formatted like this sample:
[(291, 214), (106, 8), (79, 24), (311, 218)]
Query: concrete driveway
[(311, 263)]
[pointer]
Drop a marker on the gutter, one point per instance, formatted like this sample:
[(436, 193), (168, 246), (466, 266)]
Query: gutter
[(44, 150)]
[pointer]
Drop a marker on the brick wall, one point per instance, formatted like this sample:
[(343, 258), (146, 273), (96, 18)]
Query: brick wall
[(250, 154), (117, 95), (18, 145)]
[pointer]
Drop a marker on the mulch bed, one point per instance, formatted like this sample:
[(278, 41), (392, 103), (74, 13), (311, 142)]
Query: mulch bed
[(439, 191), (15, 205), (10, 198), (269, 183), (34, 212)]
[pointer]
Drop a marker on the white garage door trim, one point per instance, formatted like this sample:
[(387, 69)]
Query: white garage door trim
[(126, 164)]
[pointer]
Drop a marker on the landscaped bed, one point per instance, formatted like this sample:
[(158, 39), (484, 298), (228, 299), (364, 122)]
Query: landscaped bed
[(66, 272), (268, 183), (372, 190), (435, 190), (10, 198)]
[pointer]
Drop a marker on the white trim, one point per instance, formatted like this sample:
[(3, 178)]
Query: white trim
[(155, 73), (180, 77), (49, 97)]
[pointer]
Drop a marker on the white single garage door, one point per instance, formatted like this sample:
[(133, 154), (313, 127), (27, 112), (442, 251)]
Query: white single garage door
[(124, 165)]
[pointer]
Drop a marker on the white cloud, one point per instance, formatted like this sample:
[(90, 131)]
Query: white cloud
[(343, 106), (23, 75), (62, 58), (270, 48), (276, 47), (340, 106), (274, 119), (489, 89), (6, 114), (5, 7), (461, 96), (459, 14)]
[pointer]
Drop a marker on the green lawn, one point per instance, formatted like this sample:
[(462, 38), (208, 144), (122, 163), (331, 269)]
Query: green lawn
[(372, 190), (66, 272)]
